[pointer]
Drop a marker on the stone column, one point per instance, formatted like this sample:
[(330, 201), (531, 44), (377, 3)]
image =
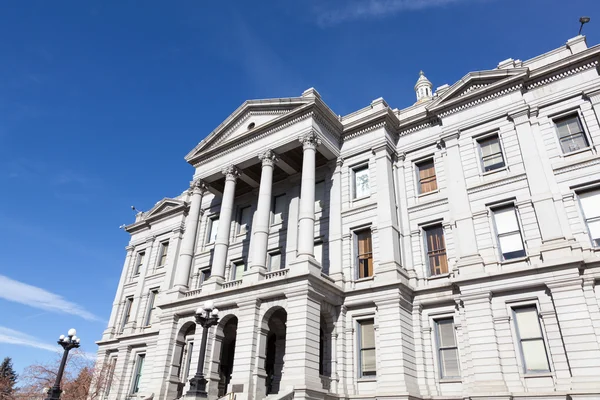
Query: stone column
[(186, 255), (483, 344), (539, 187), (111, 329), (163, 383), (579, 337), (469, 260), (306, 220), (335, 224), (222, 240), (405, 237), (388, 230), (260, 227)]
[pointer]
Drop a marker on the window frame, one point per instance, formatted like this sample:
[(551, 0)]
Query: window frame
[(126, 312), (163, 253), (205, 274), (417, 165), (240, 222), (504, 205), (275, 253), (565, 115), (542, 337), (486, 137), (234, 265), (152, 293), (211, 222), (274, 215), (140, 360), (425, 229), (364, 166), (320, 203), (357, 267), (585, 219), (139, 262), (439, 348), (112, 366), (359, 324)]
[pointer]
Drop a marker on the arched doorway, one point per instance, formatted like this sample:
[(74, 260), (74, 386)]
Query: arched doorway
[(182, 357), (227, 355), (275, 350)]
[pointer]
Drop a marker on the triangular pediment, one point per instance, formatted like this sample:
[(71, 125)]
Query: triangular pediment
[(165, 206), (476, 83), (251, 117)]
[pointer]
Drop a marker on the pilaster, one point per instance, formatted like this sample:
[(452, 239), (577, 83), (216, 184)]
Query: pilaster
[(111, 329), (335, 225), (161, 382), (246, 357)]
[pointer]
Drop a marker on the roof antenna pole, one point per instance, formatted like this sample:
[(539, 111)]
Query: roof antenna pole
[(583, 20)]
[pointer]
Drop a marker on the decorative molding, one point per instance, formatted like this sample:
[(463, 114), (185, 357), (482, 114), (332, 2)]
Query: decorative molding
[(231, 172), (494, 184), (268, 157), (519, 117), (562, 75), (365, 130), (481, 100), (592, 97), (426, 124), (576, 166), (431, 204), (225, 135), (198, 186), (310, 140)]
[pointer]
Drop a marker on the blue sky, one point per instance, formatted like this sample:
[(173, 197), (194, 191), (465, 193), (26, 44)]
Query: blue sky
[(100, 101)]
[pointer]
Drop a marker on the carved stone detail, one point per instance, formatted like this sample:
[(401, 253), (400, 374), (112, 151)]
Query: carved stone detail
[(310, 140), (231, 172), (268, 157)]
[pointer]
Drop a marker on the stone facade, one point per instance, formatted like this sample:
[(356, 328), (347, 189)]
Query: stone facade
[(449, 250)]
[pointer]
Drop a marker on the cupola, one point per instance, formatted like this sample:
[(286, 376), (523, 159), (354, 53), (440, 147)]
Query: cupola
[(423, 88)]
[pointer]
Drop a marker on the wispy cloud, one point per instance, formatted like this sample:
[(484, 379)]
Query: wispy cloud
[(36, 297), (12, 336), (329, 13)]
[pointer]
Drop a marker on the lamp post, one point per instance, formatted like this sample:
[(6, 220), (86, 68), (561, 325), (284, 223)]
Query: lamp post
[(206, 316), (67, 342), (583, 21)]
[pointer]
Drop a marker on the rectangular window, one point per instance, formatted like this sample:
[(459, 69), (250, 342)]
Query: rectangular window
[(318, 251), (244, 220), (110, 373), (491, 153), (212, 230), (427, 178), (139, 262), (319, 195), (531, 341), (570, 134), (239, 267), (364, 253), (279, 205), (275, 261), (127, 311), (436, 250), (366, 339), (164, 249), (447, 348), (151, 299), (139, 369), (590, 204), (509, 233), (361, 181), (189, 348), (204, 275)]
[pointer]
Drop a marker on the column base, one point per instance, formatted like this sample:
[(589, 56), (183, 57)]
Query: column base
[(197, 388), (212, 285), (471, 264), (175, 293), (255, 274), (390, 271), (304, 265), (559, 248)]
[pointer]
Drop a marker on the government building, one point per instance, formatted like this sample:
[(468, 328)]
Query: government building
[(446, 251)]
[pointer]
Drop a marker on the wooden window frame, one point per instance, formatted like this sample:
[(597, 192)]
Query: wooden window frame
[(363, 257), (419, 167), (441, 253)]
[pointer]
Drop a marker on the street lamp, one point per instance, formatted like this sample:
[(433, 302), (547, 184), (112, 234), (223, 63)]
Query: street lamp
[(67, 342), (583, 21), (206, 316)]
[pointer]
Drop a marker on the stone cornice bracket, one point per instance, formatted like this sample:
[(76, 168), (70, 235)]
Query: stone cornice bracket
[(310, 140), (339, 162), (593, 97), (231, 172), (450, 138), (268, 157), (130, 248), (440, 144), (401, 157), (519, 117), (150, 239), (198, 186)]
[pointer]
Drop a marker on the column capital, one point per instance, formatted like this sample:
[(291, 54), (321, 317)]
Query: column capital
[(151, 239), (130, 248), (592, 96), (198, 186), (519, 117), (268, 157), (339, 162), (310, 140), (231, 172)]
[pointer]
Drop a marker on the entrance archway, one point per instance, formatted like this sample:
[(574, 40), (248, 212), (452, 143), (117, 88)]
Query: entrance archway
[(275, 350), (227, 355)]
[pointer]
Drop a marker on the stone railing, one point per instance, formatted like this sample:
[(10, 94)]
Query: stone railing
[(232, 284), (280, 273), (192, 293)]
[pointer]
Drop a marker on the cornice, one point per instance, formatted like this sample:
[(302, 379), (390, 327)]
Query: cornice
[(499, 182), (576, 166), (424, 206), (480, 100), (562, 75), (244, 118), (432, 121), (383, 119)]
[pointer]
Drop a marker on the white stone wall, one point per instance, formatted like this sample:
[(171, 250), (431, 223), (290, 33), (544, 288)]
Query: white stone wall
[(558, 276)]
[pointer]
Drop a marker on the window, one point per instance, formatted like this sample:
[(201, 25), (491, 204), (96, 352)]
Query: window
[(366, 340), (244, 220), (364, 253), (318, 251), (164, 249), (239, 267), (590, 203), (279, 205), (275, 261), (491, 153), (212, 230), (112, 364), (204, 275), (151, 298), (570, 134), (509, 233), (447, 348), (189, 348), (427, 178), (139, 369), (436, 250), (319, 195), (531, 341), (361, 181), (139, 262), (127, 311)]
